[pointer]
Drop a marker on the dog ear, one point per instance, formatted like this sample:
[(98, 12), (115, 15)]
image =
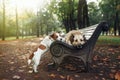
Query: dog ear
[(52, 35), (71, 38), (84, 38)]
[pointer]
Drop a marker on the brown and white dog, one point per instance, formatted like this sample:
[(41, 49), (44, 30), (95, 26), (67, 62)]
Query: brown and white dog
[(75, 37), (43, 47)]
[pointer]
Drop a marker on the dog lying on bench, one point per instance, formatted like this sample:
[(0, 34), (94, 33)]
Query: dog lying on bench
[(42, 48), (75, 37)]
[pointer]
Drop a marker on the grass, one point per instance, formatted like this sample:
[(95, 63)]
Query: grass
[(102, 40), (14, 38), (109, 40)]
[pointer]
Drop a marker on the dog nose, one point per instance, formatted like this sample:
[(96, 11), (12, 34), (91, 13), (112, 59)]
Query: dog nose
[(76, 40), (61, 39)]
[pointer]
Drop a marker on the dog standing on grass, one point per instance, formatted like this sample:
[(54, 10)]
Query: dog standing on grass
[(42, 48)]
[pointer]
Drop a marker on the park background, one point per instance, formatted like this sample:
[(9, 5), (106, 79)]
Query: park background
[(23, 23), (22, 18)]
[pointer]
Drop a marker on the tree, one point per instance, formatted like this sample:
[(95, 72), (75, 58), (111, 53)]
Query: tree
[(0, 25), (118, 10), (110, 13), (83, 19), (67, 12), (4, 20), (117, 18), (71, 13), (17, 26), (94, 13)]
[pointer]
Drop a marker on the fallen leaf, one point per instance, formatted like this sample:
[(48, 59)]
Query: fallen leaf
[(100, 64), (105, 59), (77, 75), (52, 75), (103, 79), (36, 76), (69, 66), (69, 77), (16, 77), (111, 75), (111, 49), (20, 70), (95, 58), (96, 77), (113, 70), (30, 71), (94, 66), (100, 74), (118, 57), (61, 76), (12, 68)]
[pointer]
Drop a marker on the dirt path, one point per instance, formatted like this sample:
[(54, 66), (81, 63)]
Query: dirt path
[(13, 63)]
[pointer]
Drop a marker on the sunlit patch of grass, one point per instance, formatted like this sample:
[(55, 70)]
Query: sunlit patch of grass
[(102, 40), (14, 38), (109, 40)]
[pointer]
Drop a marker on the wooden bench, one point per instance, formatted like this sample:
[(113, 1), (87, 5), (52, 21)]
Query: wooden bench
[(59, 50)]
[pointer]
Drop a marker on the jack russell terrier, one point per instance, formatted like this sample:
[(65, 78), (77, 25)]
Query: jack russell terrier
[(43, 47)]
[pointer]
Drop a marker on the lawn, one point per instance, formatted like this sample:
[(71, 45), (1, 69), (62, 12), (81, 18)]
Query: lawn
[(14, 38), (102, 40), (108, 40)]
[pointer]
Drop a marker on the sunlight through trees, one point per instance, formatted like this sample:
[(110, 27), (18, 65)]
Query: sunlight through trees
[(39, 17)]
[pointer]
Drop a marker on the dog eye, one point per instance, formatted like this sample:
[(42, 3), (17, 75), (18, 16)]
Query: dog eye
[(76, 40), (81, 40)]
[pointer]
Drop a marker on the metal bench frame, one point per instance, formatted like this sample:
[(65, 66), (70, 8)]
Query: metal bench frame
[(59, 50)]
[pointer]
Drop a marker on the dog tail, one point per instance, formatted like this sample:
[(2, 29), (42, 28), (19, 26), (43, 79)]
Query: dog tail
[(30, 58)]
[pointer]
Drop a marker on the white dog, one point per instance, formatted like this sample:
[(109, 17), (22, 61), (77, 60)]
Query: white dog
[(43, 47), (75, 37)]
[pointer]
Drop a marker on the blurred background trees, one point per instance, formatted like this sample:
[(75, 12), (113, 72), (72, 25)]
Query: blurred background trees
[(58, 15)]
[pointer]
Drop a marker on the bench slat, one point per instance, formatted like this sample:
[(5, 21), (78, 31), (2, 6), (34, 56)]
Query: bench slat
[(88, 31)]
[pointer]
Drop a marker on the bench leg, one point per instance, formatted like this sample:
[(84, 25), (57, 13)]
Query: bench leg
[(52, 66), (87, 67), (56, 62)]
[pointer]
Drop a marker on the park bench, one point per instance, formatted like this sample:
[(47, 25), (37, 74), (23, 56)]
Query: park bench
[(59, 50)]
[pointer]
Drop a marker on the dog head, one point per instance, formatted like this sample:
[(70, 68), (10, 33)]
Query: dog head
[(77, 39), (56, 36)]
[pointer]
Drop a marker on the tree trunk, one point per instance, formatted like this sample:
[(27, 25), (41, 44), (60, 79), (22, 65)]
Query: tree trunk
[(37, 27), (118, 25), (4, 25), (71, 15), (83, 19), (79, 16), (17, 28), (116, 22), (86, 12), (68, 18)]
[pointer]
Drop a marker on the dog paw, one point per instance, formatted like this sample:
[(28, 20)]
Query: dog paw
[(29, 61), (35, 71)]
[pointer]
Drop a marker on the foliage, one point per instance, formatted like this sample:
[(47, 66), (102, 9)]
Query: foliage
[(29, 22), (110, 12), (57, 15), (68, 12), (95, 15)]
